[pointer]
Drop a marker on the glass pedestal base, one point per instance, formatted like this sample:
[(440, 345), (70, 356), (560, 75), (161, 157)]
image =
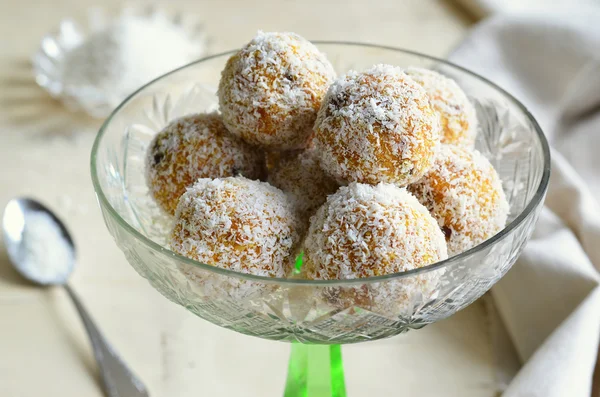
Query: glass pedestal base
[(315, 371)]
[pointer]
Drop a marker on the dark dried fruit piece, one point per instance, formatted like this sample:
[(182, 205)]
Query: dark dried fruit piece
[(447, 232)]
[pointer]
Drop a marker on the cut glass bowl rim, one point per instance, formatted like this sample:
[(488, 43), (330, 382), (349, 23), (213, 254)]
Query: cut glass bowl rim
[(535, 201)]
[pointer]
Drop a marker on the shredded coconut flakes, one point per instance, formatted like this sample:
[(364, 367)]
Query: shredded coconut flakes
[(363, 231), (301, 177), (377, 126), (457, 114), (464, 193), (237, 224), (271, 90), (44, 255), (192, 147), (128, 53)]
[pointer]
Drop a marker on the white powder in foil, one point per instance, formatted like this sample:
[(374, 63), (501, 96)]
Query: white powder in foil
[(117, 60), (44, 254)]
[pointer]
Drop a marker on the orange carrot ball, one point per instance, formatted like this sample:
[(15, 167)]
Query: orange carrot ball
[(377, 126), (270, 90), (192, 147)]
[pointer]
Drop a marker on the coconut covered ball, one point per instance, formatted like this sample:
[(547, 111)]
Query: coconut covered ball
[(237, 224), (464, 193), (192, 147), (377, 126), (302, 178), (458, 118), (270, 90), (365, 231)]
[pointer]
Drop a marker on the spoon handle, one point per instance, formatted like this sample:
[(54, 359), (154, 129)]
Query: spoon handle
[(118, 380)]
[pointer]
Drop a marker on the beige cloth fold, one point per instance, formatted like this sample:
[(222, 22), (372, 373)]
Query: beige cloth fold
[(550, 301)]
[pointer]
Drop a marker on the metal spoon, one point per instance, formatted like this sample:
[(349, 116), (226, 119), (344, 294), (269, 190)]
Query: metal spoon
[(118, 380)]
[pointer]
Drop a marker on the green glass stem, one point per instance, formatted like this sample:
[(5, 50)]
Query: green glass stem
[(315, 371)]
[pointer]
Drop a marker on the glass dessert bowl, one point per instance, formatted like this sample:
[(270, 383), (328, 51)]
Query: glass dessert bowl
[(319, 315)]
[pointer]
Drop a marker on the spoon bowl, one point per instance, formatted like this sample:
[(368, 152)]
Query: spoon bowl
[(14, 221)]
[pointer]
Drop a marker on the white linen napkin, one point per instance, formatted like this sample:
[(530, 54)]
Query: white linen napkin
[(550, 301)]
